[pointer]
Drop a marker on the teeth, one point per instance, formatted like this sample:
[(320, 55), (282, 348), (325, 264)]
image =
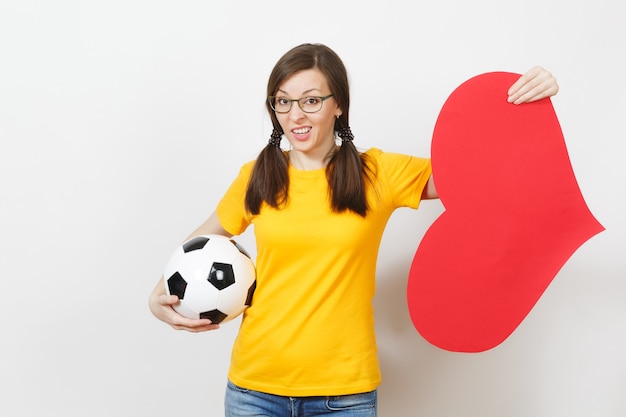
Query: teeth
[(301, 131)]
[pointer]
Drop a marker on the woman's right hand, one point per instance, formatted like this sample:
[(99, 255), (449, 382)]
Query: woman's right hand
[(162, 307)]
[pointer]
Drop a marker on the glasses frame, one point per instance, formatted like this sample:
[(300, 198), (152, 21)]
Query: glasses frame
[(270, 100)]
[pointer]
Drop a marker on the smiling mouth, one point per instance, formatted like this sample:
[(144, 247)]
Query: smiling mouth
[(301, 131)]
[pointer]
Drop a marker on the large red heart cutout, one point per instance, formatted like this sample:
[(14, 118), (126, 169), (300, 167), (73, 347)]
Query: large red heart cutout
[(514, 214)]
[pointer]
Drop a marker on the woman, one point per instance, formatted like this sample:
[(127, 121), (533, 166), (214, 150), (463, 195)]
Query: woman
[(319, 211)]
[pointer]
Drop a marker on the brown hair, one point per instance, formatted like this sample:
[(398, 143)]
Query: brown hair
[(347, 170)]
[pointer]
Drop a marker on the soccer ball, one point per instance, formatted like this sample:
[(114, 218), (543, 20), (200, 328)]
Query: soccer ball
[(213, 277)]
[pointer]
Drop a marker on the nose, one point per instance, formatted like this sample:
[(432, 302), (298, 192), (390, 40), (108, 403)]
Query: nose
[(296, 113)]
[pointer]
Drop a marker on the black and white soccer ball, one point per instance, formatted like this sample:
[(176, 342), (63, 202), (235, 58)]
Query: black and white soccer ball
[(213, 277)]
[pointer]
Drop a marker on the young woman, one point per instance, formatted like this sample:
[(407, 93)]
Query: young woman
[(306, 344)]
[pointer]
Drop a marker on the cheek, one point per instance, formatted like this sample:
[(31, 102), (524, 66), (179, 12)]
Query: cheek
[(326, 122)]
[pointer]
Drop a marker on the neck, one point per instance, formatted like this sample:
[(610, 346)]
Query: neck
[(305, 162)]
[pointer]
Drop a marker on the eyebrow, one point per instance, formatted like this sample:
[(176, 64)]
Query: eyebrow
[(305, 92)]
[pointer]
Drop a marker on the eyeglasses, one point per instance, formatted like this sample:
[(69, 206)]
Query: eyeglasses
[(309, 104)]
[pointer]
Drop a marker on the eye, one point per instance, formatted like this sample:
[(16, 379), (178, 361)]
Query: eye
[(282, 101), (311, 101)]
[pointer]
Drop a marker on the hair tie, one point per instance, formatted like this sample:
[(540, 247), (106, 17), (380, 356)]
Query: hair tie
[(275, 137), (345, 134)]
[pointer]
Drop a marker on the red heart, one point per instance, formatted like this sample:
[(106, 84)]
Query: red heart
[(514, 215)]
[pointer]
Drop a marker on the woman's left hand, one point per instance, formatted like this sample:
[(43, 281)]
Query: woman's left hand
[(535, 84)]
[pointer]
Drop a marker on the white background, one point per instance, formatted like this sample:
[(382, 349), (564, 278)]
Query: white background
[(123, 122)]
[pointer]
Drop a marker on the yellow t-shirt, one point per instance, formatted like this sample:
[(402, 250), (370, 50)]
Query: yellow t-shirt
[(310, 328)]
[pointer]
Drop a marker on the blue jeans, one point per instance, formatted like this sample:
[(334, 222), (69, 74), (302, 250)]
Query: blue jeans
[(241, 402)]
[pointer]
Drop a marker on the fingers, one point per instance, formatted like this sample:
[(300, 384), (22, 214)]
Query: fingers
[(535, 84), (179, 322), (168, 300), (195, 326)]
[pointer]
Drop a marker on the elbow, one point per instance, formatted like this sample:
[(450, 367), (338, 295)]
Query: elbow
[(430, 192)]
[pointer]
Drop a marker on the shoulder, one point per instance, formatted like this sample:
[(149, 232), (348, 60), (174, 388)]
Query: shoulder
[(378, 157), (246, 168)]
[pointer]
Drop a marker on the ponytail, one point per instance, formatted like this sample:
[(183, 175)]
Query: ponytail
[(347, 174), (269, 180)]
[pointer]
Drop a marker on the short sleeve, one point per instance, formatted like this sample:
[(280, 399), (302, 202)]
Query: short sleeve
[(405, 177), (231, 209)]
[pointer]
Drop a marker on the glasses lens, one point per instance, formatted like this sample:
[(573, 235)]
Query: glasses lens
[(311, 104), (280, 104)]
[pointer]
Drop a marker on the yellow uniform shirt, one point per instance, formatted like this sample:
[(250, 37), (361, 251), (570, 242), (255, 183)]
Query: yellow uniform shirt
[(310, 328)]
